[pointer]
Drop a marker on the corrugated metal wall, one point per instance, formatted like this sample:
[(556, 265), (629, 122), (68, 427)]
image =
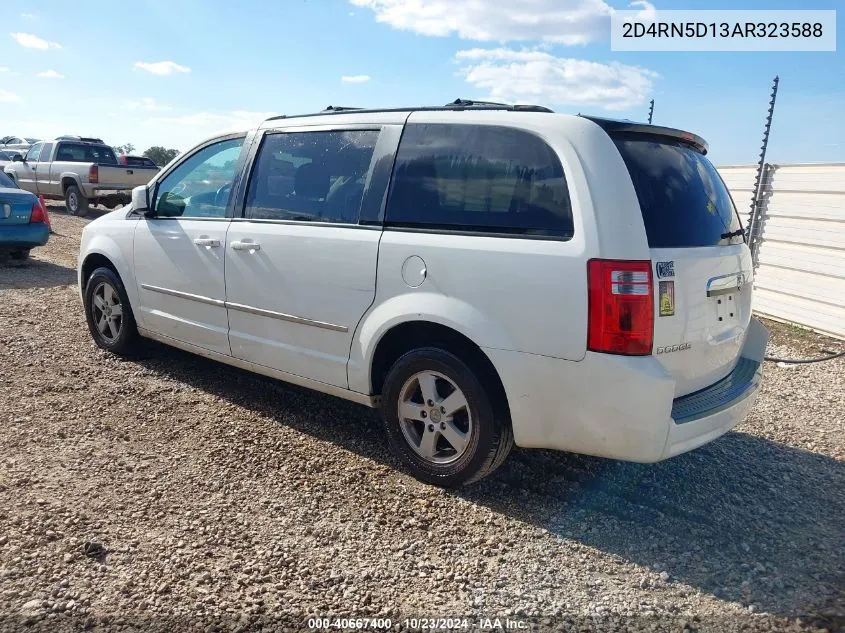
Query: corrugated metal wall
[(800, 276)]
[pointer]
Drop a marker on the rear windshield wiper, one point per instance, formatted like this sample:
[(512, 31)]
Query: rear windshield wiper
[(737, 233)]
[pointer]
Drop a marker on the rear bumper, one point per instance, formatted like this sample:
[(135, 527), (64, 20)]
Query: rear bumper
[(705, 415), (623, 407), (20, 236), (102, 192)]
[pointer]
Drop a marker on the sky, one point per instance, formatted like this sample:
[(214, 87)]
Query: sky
[(173, 72)]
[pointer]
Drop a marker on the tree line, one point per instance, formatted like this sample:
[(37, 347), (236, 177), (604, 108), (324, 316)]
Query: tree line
[(157, 153)]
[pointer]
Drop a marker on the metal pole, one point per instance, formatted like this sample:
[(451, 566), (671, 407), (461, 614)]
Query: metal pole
[(650, 111), (761, 172)]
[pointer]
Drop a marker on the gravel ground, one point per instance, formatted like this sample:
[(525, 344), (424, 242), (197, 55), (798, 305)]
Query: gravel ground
[(172, 493)]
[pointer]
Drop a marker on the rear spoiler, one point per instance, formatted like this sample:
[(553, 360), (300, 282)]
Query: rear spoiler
[(617, 126)]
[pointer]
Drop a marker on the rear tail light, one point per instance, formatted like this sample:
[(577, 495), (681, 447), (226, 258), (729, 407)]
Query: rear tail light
[(621, 307), (39, 213), (94, 174)]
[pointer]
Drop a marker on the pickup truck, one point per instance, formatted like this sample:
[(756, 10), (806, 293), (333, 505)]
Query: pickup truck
[(81, 171)]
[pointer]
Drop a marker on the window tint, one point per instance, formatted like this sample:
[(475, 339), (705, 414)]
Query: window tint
[(201, 185), (479, 178), (311, 176), (33, 153), (682, 197), (82, 153)]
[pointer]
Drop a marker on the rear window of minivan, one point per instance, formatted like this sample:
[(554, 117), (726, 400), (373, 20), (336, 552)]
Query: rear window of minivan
[(683, 200)]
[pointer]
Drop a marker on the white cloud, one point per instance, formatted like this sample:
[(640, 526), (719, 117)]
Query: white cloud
[(4, 69), (28, 15), (9, 97), (567, 22), (29, 40), (355, 79), (147, 104), (536, 76), (162, 68), (50, 74)]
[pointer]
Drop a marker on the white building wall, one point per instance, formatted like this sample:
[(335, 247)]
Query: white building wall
[(800, 275)]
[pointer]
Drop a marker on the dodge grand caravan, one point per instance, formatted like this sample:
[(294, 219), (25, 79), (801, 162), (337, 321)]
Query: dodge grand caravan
[(483, 274)]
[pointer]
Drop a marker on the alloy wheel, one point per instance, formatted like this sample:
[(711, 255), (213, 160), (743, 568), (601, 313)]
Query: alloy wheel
[(107, 311), (434, 417)]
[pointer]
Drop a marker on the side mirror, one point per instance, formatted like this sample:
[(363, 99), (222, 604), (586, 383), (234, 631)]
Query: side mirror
[(140, 199), (17, 158)]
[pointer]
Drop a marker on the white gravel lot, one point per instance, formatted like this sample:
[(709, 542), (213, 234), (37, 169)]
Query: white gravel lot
[(216, 500)]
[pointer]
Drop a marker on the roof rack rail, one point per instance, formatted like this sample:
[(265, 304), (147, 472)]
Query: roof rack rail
[(495, 105), (74, 137), (472, 102), (457, 105)]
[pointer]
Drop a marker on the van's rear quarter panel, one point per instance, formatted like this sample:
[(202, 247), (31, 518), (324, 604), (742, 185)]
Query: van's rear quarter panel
[(505, 293)]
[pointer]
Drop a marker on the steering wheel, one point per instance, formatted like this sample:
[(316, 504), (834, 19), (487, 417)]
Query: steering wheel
[(222, 195)]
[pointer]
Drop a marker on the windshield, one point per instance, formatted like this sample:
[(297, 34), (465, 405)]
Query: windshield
[(682, 197)]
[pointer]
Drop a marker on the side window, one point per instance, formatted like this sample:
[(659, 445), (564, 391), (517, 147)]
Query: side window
[(201, 185), (45, 152), (478, 178), (311, 176), (33, 153), (70, 153)]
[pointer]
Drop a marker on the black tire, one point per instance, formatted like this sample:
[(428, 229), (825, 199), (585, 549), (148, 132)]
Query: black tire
[(125, 343), (76, 203), (21, 254), (490, 436)]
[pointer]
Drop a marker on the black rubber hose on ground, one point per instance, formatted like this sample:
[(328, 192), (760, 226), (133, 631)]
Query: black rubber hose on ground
[(806, 361)]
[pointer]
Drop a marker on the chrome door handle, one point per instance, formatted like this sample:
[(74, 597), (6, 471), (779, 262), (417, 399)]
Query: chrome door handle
[(246, 245), (207, 242)]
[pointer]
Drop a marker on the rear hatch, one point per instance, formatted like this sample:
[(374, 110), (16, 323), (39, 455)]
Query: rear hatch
[(15, 205), (701, 265)]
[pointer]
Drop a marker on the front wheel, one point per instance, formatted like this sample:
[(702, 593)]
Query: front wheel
[(76, 203), (443, 422), (108, 313)]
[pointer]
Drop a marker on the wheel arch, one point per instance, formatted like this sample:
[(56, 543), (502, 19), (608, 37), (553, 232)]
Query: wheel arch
[(104, 252), (67, 181), (406, 336), (92, 262)]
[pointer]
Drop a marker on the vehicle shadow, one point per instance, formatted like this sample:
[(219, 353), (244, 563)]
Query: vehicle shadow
[(34, 273), (737, 518), (94, 212)]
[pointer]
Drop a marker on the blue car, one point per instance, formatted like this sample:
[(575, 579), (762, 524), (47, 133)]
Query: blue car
[(23, 221)]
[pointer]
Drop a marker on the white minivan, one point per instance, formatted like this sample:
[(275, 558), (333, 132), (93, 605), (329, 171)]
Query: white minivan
[(484, 274)]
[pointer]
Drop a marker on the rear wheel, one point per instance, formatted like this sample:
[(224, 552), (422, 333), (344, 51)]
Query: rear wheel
[(446, 426), (76, 203), (108, 313)]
